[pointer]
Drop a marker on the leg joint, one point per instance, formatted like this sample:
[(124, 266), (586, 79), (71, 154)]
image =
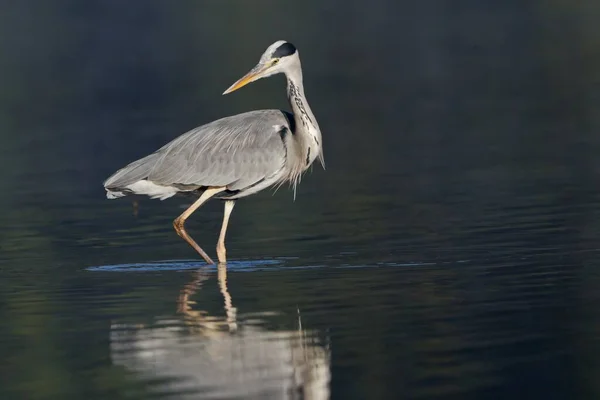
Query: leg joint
[(178, 224)]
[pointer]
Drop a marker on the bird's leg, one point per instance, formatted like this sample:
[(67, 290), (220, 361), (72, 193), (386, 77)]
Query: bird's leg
[(221, 251), (179, 222)]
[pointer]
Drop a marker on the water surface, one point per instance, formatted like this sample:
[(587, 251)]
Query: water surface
[(449, 251)]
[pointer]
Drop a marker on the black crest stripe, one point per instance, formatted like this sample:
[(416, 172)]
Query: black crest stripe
[(286, 49)]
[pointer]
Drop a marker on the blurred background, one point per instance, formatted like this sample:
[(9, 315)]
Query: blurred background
[(450, 250)]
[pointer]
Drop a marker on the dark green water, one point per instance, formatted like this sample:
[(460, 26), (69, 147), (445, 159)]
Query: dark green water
[(449, 251)]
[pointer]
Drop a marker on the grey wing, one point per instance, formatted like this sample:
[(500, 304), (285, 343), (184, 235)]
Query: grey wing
[(236, 152)]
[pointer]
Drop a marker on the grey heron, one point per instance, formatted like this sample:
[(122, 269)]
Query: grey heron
[(235, 156)]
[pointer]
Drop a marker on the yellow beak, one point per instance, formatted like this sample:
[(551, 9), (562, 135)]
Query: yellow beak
[(254, 74)]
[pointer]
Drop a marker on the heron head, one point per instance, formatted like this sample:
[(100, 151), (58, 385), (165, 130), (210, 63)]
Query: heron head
[(274, 60)]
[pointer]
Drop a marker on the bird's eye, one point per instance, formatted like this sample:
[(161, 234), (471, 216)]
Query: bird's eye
[(275, 61)]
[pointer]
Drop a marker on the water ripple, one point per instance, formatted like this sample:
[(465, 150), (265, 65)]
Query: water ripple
[(182, 265)]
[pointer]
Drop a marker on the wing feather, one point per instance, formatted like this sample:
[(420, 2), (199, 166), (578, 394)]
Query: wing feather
[(236, 151)]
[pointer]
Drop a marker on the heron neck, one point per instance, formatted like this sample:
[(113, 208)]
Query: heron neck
[(303, 115), (308, 133)]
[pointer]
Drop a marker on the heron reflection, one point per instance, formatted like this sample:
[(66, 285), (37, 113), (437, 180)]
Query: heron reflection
[(204, 356)]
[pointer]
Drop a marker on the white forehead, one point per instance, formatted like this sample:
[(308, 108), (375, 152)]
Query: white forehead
[(271, 49)]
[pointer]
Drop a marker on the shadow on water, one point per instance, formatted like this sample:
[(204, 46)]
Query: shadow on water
[(231, 356)]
